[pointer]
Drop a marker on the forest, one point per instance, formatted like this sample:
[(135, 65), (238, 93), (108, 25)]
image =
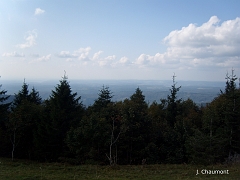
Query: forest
[(174, 131)]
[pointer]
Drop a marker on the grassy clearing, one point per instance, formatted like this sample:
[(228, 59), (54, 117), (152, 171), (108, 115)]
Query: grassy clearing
[(28, 170)]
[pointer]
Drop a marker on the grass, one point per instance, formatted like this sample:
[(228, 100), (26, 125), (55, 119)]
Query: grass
[(29, 170)]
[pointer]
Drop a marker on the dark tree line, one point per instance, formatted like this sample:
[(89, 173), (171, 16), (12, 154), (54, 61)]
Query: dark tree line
[(131, 131)]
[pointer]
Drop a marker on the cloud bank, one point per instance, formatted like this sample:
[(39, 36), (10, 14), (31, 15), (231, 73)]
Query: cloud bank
[(83, 55), (42, 58), (211, 44), (13, 54)]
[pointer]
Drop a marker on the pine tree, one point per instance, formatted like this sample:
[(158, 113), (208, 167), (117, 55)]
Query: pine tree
[(172, 104), (218, 137), (4, 111), (23, 94), (22, 126), (136, 137), (23, 120), (232, 113), (172, 136), (104, 98), (4, 107), (34, 97), (91, 138), (63, 111)]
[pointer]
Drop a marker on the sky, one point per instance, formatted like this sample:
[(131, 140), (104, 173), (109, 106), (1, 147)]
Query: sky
[(119, 39)]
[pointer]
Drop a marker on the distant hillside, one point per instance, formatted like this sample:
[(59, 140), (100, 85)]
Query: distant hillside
[(201, 92)]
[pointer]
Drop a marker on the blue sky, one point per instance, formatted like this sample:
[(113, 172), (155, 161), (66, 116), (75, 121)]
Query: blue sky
[(113, 39)]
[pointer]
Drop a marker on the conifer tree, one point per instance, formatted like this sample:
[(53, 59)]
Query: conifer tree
[(171, 136), (63, 111), (4, 111), (23, 94), (23, 121), (104, 98), (232, 113), (22, 125), (4, 107), (172, 104), (34, 97), (218, 140), (90, 139), (135, 139)]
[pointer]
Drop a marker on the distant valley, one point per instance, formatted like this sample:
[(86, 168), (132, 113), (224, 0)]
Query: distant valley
[(201, 92)]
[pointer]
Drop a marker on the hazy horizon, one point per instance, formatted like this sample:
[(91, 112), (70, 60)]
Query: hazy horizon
[(79, 79), (154, 90)]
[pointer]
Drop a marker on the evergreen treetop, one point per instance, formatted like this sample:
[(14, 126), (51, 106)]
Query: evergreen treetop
[(104, 98), (3, 106), (24, 95), (230, 83), (63, 98)]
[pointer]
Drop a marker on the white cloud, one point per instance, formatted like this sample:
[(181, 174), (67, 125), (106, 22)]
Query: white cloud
[(45, 58), (30, 40), (194, 36), (157, 59), (39, 11), (96, 55), (124, 60), (109, 60), (66, 54), (13, 54), (82, 53), (42, 59), (211, 44), (143, 59)]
